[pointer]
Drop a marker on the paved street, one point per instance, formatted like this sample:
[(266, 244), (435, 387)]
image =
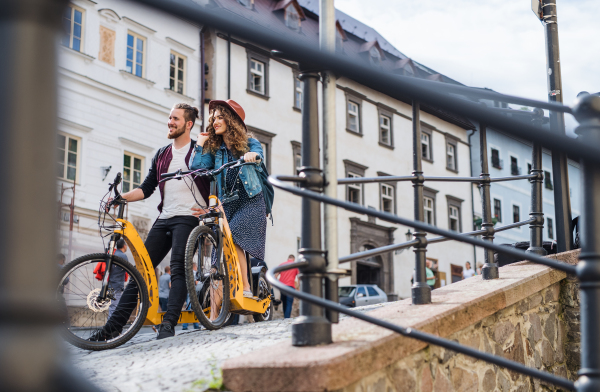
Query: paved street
[(188, 362)]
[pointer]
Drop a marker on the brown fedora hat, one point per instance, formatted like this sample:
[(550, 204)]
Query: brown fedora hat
[(231, 105)]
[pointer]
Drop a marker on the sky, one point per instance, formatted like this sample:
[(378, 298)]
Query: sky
[(498, 44)]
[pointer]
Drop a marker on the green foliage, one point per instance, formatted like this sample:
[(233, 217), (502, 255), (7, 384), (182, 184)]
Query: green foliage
[(213, 384)]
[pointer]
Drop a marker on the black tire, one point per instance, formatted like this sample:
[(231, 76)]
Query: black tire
[(201, 242), (84, 316), (263, 291)]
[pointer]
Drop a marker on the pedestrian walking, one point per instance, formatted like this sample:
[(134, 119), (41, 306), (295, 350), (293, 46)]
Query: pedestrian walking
[(164, 288), (468, 271), (118, 276), (184, 326), (288, 278), (429, 273)]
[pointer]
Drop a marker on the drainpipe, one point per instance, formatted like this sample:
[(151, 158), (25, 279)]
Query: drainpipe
[(202, 78), (327, 44), (228, 66), (472, 199)]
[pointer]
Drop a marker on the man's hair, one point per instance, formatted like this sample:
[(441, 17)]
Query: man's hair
[(292, 257), (167, 269), (190, 113), (120, 243)]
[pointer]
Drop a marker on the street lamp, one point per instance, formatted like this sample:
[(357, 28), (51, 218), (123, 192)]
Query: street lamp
[(408, 235)]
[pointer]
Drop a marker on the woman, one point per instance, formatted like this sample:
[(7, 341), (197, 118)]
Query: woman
[(227, 139)]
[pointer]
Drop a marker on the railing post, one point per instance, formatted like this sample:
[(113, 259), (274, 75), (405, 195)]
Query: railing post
[(537, 204), (489, 269), (587, 112), (311, 328), (421, 292)]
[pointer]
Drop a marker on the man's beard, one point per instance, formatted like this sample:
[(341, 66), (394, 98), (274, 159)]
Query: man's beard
[(178, 132)]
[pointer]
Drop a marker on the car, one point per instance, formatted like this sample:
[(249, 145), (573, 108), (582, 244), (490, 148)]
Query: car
[(361, 295)]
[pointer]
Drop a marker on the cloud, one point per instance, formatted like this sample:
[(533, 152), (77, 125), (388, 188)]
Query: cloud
[(497, 44)]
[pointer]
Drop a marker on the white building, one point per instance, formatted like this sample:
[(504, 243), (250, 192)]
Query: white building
[(113, 115)]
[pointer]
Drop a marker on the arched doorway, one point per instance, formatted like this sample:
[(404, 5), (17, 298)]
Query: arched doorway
[(369, 271)]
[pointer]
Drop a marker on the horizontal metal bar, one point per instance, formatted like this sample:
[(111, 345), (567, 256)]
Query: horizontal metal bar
[(292, 178), (513, 225), (422, 336), (377, 251), (435, 94), (367, 180), (423, 226), (512, 178)]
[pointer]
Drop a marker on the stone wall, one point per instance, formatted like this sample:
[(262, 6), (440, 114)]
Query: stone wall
[(541, 331)]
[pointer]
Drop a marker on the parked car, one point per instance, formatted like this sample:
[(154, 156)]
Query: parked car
[(361, 295)]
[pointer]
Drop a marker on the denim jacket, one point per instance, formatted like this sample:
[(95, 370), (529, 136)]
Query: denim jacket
[(248, 175)]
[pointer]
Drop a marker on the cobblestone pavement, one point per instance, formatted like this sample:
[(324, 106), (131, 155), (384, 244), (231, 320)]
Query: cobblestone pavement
[(188, 362)]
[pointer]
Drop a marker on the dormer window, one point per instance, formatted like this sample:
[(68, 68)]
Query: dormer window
[(340, 37), (292, 18), (375, 56), (247, 3)]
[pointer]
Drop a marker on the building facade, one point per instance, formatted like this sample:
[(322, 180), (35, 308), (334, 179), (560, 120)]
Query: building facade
[(123, 66)]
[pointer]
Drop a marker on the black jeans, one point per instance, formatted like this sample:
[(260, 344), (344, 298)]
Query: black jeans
[(166, 235)]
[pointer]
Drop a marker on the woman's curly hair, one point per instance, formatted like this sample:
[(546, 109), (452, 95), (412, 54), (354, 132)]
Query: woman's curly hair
[(236, 134)]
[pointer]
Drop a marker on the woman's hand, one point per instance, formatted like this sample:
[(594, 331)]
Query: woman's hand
[(250, 156), (202, 138)]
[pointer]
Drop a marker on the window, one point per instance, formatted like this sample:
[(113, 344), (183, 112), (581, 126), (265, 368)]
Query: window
[(353, 117), (516, 214), (548, 180), (361, 290), (454, 208), (453, 218), (135, 54), (266, 142), (426, 152), (515, 170), (549, 223), (354, 192), (428, 206), (529, 168), (132, 171), (177, 73), (387, 198), (68, 157), (386, 137), (451, 152), (257, 80), (73, 28), (258, 74), (496, 161), (292, 18), (372, 291), (456, 272), (498, 210), (298, 84)]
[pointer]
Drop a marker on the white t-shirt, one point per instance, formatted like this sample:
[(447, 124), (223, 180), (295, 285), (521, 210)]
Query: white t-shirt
[(468, 273), (178, 199)]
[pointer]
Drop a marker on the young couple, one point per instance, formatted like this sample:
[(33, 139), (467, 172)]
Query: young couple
[(226, 139)]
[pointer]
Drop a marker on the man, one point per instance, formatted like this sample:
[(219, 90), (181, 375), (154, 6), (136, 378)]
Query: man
[(174, 224), (164, 286), (117, 277), (468, 271), (288, 278), (184, 326)]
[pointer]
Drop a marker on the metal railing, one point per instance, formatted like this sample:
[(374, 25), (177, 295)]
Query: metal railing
[(28, 83)]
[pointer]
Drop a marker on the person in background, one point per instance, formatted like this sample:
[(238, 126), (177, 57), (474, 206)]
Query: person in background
[(468, 271), (429, 273), (479, 267), (288, 278), (117, 276), (184, 326), (164, 287)]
